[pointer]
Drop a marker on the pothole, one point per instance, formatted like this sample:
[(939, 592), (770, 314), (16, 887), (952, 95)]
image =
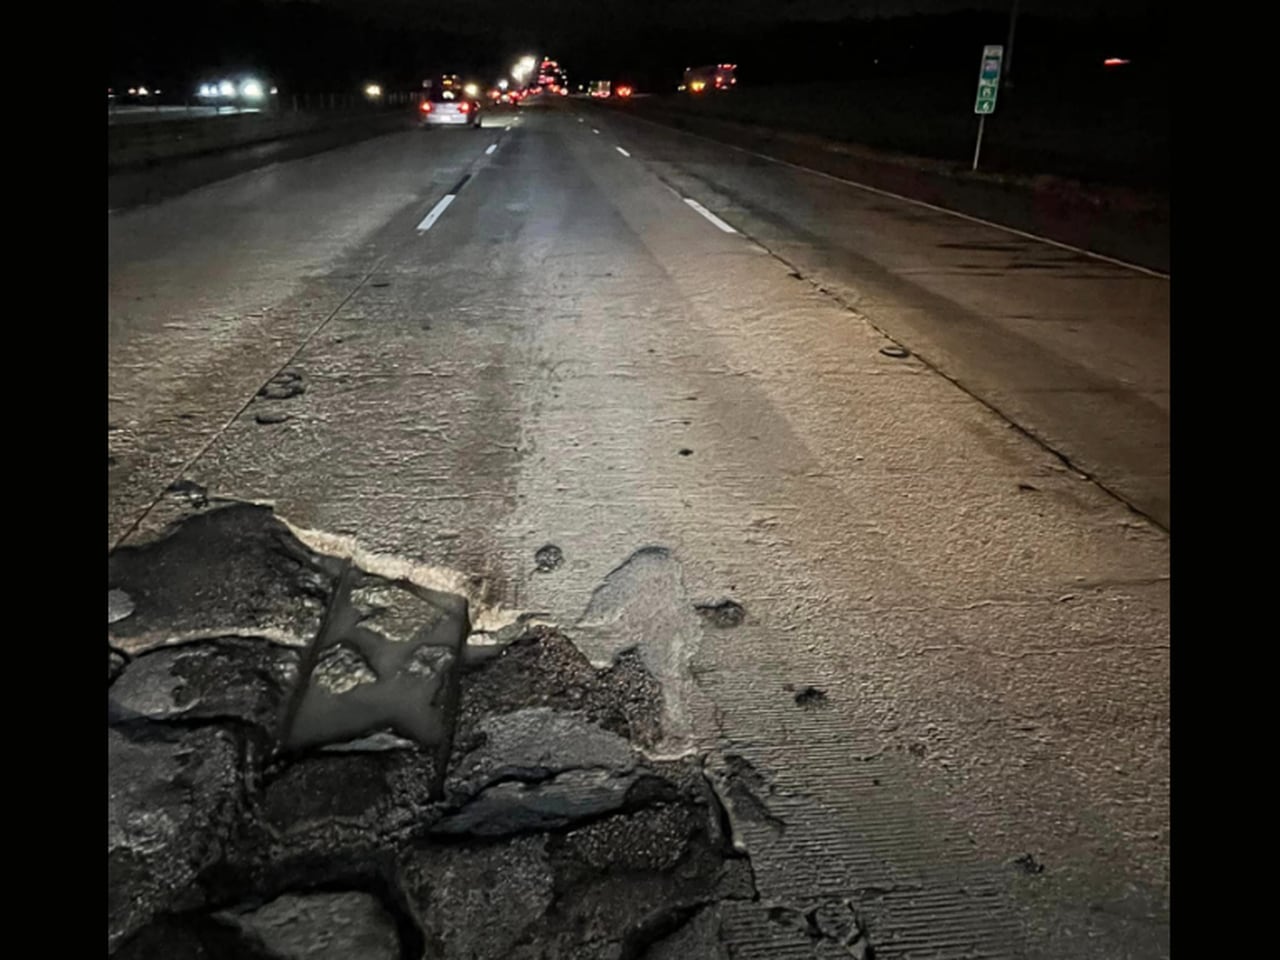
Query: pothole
[(317, 765), (722, 613), (548, 558), (284, 385)]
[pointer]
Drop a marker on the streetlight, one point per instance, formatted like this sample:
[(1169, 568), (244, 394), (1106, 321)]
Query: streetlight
[(523, 69)]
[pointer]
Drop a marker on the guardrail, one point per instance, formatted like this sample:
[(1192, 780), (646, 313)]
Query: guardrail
[(138, 142)]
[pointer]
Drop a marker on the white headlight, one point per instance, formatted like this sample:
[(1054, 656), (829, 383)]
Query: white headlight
[(252, 90), (227, 88)]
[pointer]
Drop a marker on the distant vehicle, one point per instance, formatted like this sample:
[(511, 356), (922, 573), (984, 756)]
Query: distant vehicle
[(552, 76), (624, 91), (601, 89), (449, 107), (715, 77)]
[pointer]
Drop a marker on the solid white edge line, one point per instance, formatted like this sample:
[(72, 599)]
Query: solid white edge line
[(709, 215), (492, 147), (429, 220), (621, 151), (919, 203)]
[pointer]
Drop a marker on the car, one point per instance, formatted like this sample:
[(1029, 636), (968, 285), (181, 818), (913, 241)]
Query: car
[(448, 108)]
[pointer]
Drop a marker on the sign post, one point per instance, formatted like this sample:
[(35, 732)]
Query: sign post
[(988, 87)]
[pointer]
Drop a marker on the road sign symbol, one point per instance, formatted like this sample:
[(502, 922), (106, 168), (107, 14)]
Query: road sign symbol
[(989, 79)]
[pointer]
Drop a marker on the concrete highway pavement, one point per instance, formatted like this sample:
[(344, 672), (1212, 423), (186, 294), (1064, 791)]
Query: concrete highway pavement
[(1072, 347), (951, 676)]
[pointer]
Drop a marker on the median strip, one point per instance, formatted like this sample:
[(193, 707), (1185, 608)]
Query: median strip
[(709, 215)]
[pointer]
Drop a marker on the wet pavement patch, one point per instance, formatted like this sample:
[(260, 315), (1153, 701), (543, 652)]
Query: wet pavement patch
[(722, 613), (548, 558), (308, 760), (810, 697)]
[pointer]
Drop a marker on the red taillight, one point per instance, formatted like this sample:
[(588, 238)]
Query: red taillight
[(464, 107), (426, 106)]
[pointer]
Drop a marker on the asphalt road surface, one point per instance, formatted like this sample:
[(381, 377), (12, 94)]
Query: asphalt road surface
[(951, 674)]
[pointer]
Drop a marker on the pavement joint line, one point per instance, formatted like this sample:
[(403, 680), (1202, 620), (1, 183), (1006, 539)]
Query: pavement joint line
[(217, 434), (919, 203), (708, 214), (1039, 441), (621, 151)]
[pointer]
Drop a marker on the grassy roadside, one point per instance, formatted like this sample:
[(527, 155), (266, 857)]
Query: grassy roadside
[(1109, 133)]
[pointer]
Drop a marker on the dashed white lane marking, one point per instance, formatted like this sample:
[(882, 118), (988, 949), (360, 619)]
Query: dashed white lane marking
[(492, 147), (1163, 275), (621, 151), (709, 215), (594, 130), (429, 220), (580, 120)]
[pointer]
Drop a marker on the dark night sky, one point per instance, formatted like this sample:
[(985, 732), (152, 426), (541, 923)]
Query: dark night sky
[(319, 43)]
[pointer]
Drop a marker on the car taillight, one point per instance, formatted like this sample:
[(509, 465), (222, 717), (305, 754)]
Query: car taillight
[(426, 106), (464, 107)]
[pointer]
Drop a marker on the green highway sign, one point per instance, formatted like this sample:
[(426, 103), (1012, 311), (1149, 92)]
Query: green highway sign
[(989, 79)]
